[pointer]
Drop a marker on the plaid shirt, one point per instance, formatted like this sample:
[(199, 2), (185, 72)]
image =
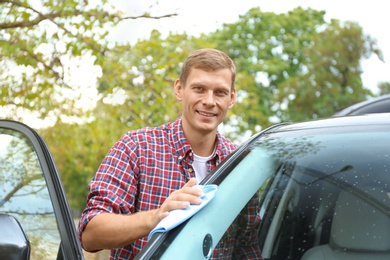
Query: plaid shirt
[(141, 170)]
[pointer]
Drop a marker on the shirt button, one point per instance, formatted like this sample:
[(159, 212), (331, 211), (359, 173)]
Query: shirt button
[(180, 157), (190, 170), (190, 154)]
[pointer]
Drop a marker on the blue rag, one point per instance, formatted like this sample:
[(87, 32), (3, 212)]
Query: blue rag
[(178, 216)]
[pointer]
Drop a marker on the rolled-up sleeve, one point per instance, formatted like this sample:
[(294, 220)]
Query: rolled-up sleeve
[(113, 187)]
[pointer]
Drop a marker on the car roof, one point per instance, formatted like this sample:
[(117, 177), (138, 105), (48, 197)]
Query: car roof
[(379, 104), (341, 121)]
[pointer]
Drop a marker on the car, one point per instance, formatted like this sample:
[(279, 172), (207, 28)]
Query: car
[(379, 104), (322, 190)]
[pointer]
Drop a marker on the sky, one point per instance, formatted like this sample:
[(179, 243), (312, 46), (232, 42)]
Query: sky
[(199, 16)]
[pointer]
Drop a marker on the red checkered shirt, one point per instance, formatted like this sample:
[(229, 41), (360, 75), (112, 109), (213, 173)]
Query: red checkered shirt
[(141, 170)]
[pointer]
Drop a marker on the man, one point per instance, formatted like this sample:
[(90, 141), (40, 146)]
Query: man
[(151, 171)]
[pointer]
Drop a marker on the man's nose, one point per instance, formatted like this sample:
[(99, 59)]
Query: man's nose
[(208, 98)]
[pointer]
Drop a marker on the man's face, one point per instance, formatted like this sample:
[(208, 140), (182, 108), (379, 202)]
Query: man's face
[(206, 98)]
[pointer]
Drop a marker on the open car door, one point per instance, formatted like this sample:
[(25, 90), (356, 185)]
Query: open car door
[(35, 218)]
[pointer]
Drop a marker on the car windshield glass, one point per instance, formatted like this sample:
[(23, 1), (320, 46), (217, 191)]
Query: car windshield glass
[(24, 194), (320, 183), (302, 190)]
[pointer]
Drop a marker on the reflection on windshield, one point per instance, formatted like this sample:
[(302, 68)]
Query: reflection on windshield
[(24, 195)]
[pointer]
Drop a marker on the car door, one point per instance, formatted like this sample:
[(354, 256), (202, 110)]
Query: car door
[(31, 195)]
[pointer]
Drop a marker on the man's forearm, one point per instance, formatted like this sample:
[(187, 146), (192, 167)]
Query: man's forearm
[(106, 231)]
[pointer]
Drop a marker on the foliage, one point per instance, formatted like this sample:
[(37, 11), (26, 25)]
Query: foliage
[(78, 150), (41, 43), (384, 88), (294, 66), (38, 40), (333, 74)]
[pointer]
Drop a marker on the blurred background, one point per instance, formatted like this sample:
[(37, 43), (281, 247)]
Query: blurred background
[(83, 73)]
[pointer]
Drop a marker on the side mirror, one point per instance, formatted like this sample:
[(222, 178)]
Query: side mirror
[(14, 244)]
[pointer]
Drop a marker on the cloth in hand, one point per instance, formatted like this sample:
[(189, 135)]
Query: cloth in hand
[(178, 216)]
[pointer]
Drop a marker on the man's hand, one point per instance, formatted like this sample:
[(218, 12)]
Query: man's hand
[(180, 199)]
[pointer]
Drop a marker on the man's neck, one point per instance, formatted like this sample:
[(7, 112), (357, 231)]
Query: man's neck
[(202, 144)]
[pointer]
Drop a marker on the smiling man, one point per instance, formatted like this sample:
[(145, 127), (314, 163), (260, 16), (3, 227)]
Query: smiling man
[(151, 171)]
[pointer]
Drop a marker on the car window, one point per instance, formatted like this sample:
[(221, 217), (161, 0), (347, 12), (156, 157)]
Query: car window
[(24, 194), (381, 106)]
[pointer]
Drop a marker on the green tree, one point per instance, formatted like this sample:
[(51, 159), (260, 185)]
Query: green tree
[(332, 76), (294, 66), (268, 49), (384, 88), (78, 150), (37, 40), (40, 41)]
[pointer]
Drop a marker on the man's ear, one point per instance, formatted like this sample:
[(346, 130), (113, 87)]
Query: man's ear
[(178, 89), (232, 99)]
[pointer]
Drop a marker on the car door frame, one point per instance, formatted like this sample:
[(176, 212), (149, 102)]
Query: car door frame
[(70, 247)]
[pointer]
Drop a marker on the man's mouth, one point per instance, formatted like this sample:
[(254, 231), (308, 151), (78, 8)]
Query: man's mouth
[(206, 114)]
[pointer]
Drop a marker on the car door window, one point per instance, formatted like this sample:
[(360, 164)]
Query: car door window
[(24, 194), (382, 106)]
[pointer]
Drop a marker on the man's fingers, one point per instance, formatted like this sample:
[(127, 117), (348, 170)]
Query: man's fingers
[(190, 183), (181, 199), (186, 197)]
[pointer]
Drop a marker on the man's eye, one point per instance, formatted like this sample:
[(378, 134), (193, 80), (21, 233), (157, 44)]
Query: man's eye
[(221, 93)]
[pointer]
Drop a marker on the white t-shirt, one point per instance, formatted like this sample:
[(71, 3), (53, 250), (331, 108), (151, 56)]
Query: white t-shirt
[(200, 166)]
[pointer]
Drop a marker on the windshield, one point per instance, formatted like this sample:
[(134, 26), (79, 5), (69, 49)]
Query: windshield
[(312, 173)]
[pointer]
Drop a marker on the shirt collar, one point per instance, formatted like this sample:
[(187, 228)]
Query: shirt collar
[(180, 142)]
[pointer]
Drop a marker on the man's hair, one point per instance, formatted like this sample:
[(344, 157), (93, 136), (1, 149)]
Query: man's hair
[(208, 60)]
